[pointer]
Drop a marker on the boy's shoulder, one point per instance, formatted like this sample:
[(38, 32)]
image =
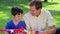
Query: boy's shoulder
[(10, 21)]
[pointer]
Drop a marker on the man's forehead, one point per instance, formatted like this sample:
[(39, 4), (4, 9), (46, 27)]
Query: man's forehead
[(32, 7)]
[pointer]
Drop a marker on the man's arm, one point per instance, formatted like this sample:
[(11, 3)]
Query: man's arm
[(51, 31), (27, 22), (50, 24)]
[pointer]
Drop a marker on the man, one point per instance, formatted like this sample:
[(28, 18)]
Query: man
[(37, 19)]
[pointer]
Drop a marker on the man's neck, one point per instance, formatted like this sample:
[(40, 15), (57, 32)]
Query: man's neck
[(38, 14)]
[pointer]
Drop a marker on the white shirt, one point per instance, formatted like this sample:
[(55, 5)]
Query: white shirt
[(39, 22)]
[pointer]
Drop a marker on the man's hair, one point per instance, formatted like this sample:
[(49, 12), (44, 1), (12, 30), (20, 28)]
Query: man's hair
[(16, 10), (37, 4)]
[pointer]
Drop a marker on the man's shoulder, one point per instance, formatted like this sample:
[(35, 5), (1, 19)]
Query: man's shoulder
[(27, 14), (46, 11), (47, 14)]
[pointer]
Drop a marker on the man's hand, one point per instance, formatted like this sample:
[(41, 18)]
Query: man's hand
[(43, 32), (51, 31)]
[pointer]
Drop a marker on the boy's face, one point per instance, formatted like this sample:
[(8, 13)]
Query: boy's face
[(18, 17)]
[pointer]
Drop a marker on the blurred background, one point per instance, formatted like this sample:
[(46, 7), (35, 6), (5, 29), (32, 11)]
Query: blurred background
[(5, 9)]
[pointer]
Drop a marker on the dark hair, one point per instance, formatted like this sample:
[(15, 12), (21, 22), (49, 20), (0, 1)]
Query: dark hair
[(16, 10), (37, 4)]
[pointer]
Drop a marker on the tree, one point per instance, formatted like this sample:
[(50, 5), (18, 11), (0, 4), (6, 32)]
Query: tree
[(33, 0), (45, 0)]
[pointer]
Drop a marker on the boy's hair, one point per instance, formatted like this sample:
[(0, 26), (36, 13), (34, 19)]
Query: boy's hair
[(37, 4), (16, 10)]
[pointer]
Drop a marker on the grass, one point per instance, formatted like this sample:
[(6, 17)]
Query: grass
[(5, 8)]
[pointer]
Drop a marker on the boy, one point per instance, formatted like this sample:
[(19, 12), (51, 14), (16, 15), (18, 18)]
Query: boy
[(16, 22)]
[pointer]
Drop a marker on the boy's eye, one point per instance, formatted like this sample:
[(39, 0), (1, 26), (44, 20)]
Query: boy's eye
[(18, 15)]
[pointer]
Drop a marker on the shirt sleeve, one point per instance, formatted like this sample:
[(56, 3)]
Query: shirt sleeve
[(50, 21), (27, 22), (24, 24)]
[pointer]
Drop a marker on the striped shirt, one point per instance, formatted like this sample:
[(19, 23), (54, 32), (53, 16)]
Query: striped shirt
[(41, 22)]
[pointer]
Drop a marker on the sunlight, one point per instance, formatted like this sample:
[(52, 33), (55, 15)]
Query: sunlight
[(3, 15), (26, 6), (9, 7)]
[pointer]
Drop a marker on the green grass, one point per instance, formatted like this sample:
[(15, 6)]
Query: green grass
[(5, 8)]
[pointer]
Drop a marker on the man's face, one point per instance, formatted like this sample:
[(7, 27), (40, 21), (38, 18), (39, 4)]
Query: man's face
[(18, 17), (34, 11)]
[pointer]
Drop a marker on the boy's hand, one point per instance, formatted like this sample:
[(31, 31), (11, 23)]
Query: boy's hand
[(18, 33)]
